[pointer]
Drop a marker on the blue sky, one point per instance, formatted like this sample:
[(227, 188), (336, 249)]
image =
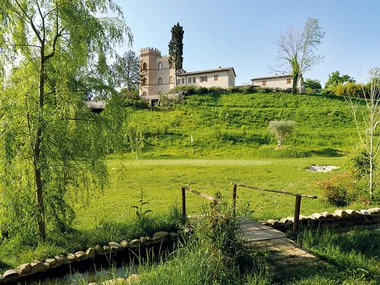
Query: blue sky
[(241, 33)]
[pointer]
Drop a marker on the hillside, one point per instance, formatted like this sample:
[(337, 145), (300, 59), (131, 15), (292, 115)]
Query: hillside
[(235, 125)]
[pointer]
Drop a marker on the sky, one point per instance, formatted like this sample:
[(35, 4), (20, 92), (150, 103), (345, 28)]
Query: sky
[(241, 33)]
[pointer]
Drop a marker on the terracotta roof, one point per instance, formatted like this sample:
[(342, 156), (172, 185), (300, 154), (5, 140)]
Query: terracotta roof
[(272, 77), (207, 71)]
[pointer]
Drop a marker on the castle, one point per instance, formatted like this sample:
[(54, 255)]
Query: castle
[(158, 78)]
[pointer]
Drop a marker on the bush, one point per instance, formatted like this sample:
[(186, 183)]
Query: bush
[(338, 190)]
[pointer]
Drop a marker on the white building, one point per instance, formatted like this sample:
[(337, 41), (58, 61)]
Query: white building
[(158, 78), (280, 81)]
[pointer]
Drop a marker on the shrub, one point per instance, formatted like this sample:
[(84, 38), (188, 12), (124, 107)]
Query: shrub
[(338, 190)]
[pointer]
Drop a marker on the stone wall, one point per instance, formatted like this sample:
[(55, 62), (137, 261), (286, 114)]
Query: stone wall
[(37, 268), (340, 218)]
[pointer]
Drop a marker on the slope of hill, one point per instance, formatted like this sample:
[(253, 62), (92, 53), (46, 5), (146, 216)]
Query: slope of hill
[(236, 125)]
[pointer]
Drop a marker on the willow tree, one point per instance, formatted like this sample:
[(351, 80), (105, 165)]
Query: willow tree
[(52, 148), (297, 50), (176, 49)]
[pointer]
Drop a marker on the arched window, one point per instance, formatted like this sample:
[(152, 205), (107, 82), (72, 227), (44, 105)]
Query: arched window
[(160, 65), (159, 81), (144, 93), (171, 81), (143, 81), (144, 66)]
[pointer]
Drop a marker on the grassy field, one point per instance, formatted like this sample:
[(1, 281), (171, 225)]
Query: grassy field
[(161, 181)]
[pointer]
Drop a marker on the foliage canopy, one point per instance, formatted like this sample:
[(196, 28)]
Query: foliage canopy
[(52, 147)]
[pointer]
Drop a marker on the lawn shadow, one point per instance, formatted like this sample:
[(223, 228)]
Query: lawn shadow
[(328, 152)]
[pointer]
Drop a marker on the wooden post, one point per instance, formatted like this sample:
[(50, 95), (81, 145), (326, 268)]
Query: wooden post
[(234, 199), (296, 215), (183, 202)]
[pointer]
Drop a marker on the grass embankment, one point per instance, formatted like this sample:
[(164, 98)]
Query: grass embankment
[(236, 126)]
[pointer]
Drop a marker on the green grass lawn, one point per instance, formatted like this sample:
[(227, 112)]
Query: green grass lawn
[(161, 181)]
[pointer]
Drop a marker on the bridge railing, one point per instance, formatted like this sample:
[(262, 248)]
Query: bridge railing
[(297, 208), (214, 201)]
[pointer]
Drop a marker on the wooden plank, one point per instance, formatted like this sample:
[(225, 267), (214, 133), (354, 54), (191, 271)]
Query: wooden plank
[(275, 191), (212, 199)]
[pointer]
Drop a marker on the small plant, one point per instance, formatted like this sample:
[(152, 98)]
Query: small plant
[(338, 190), (140, 212)]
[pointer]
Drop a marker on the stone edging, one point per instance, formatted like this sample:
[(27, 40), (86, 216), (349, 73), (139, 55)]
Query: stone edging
[(40, 266), (340, 218)]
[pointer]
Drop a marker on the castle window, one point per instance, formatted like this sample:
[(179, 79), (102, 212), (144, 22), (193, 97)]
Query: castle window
[(263, 83), (143, 81), (144, 93), (183, 81), (201, 79), (193, 79), (205, 78), (159, 81), (215, 77), (144, 66), (171, 81), (288, 80), (160, 65), (189, 80)]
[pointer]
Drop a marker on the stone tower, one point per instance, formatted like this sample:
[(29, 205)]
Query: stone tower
[(157, 77)]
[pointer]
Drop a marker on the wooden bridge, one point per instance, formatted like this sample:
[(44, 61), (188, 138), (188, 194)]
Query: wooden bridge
[(272, 247)]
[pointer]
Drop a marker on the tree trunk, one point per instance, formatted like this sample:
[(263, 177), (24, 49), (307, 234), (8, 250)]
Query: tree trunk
[(40, 213)]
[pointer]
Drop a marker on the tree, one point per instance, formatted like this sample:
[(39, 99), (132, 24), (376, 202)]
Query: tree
[(126, 71), (313, 85), (335, 78), (52, 147), (297, 49), (176, 49), (281, 130), (367, 120)]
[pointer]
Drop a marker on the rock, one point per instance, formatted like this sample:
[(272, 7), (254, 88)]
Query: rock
[(114, 245), (143, 240), (38, 266), (270, 222), (124, 243), (159, 236), (24, 268), (90, 252), (106, 248), (365, 212), (115, 281), (352, 212), (327, 215), (290, 219), (374, 211), (71, 257), (10, 274), (98, 249), (81, 255), (341, 213), (133, 279), (134, 243), (316, 216), (50, 262), (303, 217), (61, 259)]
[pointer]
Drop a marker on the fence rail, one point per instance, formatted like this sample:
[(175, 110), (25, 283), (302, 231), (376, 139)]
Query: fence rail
[(186, 188), (297, 208)]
